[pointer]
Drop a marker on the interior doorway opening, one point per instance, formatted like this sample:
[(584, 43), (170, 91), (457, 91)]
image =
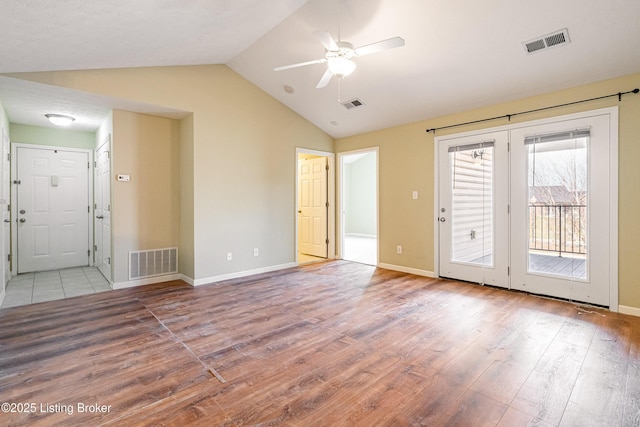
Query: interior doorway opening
[(359, 206)]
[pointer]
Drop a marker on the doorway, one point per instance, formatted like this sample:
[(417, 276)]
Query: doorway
[(532, 207), (51, 208), (314, 206), (359, 206)]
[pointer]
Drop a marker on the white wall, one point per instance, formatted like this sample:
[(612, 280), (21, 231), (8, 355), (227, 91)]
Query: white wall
[(360, 196)]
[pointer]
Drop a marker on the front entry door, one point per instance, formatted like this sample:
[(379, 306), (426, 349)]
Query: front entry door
[(473, 208), (312, 210), (52, 209)]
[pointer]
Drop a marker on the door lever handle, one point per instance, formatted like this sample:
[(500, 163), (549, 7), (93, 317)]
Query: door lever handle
[(7, 220), (100, 217)]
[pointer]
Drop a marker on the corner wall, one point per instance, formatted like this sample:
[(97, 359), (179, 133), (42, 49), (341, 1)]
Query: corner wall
[(146, 210)]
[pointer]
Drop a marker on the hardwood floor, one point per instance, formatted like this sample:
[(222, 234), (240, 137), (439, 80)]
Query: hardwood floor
[(332, 343)]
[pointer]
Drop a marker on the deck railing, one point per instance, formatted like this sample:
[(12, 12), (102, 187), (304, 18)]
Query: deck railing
[(558, 228)]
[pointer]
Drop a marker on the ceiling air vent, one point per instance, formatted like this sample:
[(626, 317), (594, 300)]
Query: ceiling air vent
[(557, 38), (355, 102)]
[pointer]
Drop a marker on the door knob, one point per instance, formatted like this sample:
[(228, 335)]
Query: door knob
[(23, 220), (22, 211), (442, 219)]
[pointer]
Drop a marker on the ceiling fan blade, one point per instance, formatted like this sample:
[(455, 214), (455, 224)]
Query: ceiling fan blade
[(380, 46), (327, 41), (326, 78), (301, 64)]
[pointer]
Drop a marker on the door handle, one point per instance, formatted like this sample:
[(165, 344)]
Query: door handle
[(23, 220), (442, 219), (100, 217), (6, 220)]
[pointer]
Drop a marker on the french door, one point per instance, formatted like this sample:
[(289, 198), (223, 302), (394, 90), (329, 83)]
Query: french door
[(560, 209), (473, 208), (532, 207)]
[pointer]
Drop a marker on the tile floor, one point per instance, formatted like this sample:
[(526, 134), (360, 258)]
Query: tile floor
[(43, 286)]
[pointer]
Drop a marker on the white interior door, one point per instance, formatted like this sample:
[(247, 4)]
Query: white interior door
[(561, 209), (312, 209), (4, 205), (102, 196), (52, 208), (473, 208)]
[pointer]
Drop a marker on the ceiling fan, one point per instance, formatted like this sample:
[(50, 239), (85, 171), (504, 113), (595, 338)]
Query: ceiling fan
[(339, 55)]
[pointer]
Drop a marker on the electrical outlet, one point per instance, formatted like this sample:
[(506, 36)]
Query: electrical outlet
[(229, 256), (399, 249), (255, 252)]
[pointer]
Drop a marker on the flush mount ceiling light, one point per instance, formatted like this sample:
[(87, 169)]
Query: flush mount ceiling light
[(60, 119)]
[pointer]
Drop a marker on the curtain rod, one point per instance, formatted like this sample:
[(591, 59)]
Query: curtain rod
[(508, 116)]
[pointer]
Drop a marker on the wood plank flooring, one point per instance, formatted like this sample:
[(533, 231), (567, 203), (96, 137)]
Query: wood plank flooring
[(327, 344)]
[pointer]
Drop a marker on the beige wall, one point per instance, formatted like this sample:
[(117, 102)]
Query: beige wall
[(243, 164), (406, 164), (146, 210), (27, 134), (186, 258)]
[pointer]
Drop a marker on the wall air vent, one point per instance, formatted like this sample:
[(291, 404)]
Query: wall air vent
[(355, 102), (547, 41), (155, 262)]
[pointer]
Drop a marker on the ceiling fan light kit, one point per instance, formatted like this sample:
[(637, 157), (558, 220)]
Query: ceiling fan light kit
[(341, 66), (339, 55)]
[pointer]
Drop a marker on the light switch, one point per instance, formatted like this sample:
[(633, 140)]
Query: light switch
[(415, 195), (54, 180)]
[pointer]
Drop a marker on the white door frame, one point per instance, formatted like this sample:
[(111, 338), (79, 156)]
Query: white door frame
[(340, 200), (331, 197), (613, 187), (14, 195)]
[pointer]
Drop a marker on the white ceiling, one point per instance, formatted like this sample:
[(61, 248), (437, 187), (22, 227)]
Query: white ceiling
[(459, 54)]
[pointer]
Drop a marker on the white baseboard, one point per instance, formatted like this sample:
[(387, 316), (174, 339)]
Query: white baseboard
[(2, 295), (369, 236), (239, 274), (409, 270), (148, 281), (633, 311), (187, 279)]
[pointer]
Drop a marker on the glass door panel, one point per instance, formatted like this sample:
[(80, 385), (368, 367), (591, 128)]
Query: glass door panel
[(472, 203), (558, 204)]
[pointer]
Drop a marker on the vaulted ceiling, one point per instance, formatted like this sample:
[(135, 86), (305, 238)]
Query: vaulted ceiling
[(458, 54)]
